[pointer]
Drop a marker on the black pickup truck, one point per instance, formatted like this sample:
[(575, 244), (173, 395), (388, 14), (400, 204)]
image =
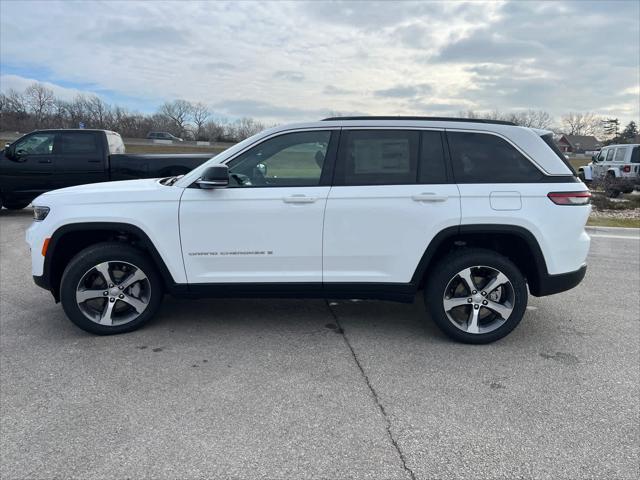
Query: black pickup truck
[(49, 159)]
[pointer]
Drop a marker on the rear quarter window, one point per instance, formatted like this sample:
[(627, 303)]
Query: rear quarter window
[(635, 155), (487, 158)]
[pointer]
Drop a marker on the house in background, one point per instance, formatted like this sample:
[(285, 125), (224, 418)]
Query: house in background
[(578, 143)]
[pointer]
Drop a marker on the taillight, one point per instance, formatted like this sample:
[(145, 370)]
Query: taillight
[(570, 198), (626, 168)]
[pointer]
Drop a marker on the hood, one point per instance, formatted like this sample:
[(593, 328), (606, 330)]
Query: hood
[(127, 191)]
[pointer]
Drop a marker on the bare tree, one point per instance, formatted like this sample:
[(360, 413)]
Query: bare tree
[(98, 112), (39, 99), (581, 124), (199, 114), (244, 128), (214, 131), (178, 112)]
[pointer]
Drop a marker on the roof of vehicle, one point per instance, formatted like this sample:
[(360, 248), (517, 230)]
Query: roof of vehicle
[(622, 145), (437, 119)]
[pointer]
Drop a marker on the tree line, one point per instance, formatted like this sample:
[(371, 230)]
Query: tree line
[(38, 107)]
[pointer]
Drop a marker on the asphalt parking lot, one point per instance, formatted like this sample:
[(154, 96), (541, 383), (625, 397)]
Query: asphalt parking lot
[(274, 389)]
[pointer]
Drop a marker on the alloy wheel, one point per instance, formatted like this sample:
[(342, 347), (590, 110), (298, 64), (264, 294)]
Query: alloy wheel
[(479, 299), (113, 293)]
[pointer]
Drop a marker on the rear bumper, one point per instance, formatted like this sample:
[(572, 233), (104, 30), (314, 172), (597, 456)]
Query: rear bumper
[(550, 284)]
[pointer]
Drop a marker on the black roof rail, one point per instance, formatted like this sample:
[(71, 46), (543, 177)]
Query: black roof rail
[(439, 119)]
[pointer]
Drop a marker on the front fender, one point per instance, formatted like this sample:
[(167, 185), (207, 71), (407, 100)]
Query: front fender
[(587, 172)]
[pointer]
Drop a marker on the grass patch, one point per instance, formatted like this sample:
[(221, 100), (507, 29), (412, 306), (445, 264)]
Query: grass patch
[(613, 222), (601, 202)]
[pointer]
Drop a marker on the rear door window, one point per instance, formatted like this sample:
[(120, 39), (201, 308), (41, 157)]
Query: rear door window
[(70, 143), (486, 158), (377, 157)]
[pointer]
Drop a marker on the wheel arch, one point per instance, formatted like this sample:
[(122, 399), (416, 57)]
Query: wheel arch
[(70, 239), (515, 242)]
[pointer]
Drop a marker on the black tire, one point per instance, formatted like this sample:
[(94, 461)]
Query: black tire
[(446, 270), (15, 205), (97, 254)]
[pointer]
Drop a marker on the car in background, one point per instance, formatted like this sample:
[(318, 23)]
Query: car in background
[(616, 167), (163, 136), (51, 159)]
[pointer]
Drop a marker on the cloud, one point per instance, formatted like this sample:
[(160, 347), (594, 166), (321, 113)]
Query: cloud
[(144, 36), (18, 83), (403, 91), (284, 61), (289, 75)]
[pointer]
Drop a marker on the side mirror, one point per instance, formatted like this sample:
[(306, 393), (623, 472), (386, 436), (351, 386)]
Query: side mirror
[(9, 152), (216, 176)]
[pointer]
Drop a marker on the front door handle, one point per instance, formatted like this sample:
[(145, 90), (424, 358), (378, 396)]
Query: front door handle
[(299, 199), (429, 197), (45, 160)]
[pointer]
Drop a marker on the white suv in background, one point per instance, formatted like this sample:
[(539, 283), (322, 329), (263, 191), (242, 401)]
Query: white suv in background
[(472, 212), (616, 166)]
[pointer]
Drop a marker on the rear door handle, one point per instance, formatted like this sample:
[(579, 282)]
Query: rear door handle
[(429, 197), (299, 199), (45, 160)]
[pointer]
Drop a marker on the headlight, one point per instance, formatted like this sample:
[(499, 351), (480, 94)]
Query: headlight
[(40, 213)]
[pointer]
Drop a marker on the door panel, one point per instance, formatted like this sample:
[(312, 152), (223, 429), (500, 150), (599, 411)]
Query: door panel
[(253, 234), (29, 173), (379, 233), (79, 159), (266, 227)]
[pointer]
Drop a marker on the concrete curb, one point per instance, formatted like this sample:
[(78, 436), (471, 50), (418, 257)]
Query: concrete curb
[(618, 231)]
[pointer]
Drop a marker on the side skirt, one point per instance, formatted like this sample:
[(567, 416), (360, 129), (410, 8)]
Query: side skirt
[(396, 292)]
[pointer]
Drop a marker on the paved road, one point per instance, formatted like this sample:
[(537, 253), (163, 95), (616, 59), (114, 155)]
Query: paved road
[(272, 389)]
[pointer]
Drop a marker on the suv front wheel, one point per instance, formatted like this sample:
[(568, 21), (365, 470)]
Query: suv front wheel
[(110, 288), (476, 295)]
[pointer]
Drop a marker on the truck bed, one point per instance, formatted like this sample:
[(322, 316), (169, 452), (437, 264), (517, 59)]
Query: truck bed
[(128, 167)]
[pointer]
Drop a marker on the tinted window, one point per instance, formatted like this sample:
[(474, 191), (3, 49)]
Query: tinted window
[(432, 167), (36, 144), (485, 158), (78, 143), (293, 159), (635, 155), (377, 157)]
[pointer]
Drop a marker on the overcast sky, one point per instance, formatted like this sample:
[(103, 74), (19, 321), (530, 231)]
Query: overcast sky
[(282, 62)]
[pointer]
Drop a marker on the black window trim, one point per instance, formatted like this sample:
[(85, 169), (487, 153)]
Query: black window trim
[(326, 175)]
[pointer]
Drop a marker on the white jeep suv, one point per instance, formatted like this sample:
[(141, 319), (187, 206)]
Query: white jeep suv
[(472, 212)]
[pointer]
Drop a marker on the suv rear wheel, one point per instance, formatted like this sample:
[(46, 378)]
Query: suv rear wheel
[(476, 295), (110, 288)]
